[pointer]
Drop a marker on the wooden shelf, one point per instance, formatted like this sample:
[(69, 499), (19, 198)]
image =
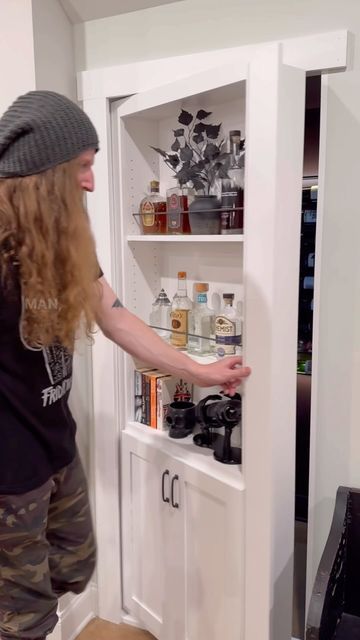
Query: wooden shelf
[(186, 238)]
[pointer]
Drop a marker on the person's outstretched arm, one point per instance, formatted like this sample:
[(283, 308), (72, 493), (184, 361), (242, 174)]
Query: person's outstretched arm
[(136, 338)]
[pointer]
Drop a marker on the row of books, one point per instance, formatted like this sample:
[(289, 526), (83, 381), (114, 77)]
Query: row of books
[(154, 391)]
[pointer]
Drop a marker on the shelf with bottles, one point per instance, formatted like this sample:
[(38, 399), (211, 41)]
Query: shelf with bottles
[(143, 132)]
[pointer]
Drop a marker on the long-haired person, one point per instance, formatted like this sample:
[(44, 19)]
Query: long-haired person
[(51, 291)]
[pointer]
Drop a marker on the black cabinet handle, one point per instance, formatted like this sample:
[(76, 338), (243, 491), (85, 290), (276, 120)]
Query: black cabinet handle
[(166, 473), (174, 504)]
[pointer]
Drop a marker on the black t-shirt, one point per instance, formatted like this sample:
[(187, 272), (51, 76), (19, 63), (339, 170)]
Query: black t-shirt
[(37, 430)]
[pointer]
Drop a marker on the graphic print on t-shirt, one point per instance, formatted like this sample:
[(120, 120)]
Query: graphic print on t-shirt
[(58, 363)]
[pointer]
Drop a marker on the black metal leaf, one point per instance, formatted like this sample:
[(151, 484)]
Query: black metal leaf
[(162, 153), (198, 138), (199, 166), (186, 153), (178, 133), (211, 151), (198, 184), (185, 117), (173, 159), (184, 175), (199, 127), (212, 130), (221, 172), (175, 146), (201, 115)]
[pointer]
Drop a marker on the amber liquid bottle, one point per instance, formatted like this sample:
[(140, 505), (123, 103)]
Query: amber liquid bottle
[(153, 211)]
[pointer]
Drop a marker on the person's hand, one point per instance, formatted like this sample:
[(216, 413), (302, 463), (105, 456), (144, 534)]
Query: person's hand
[(227, 373)]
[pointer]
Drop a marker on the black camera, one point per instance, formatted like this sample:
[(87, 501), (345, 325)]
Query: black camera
[(213, 413)]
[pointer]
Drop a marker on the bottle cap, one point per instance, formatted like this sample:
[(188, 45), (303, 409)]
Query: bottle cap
[(235, 132), (201, 287), (154, 185), (182, 275), (229, 295)]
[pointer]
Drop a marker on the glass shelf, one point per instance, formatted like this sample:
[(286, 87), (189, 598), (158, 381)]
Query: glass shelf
[(186, 238)]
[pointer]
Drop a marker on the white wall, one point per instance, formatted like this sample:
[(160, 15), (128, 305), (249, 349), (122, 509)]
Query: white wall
[(54, 48), (198, 25), (17, 66)]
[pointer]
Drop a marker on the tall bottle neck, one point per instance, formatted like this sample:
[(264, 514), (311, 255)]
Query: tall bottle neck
[(182, 288)]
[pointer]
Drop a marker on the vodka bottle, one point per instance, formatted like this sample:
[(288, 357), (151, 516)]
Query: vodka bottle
[(227, 328), (201, 323), (179, 315), (232, 189)]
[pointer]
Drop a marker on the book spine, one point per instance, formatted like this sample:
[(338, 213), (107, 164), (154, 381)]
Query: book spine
[(160, 402), (143, 398), (153, 384)]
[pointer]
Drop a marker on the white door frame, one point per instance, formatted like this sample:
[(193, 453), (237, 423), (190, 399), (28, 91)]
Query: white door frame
[(316, 53)]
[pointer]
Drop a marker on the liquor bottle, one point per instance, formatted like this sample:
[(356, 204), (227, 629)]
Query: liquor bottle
[(160, 315), (178, 210), (179, 315), (201, 323), (227, 328), (232, 189), (153, 210)]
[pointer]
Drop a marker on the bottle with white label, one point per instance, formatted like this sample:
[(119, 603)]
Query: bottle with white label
[(179, 315), (201, 322), (227, 328)]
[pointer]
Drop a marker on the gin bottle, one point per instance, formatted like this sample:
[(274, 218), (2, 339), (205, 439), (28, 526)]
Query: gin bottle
[(201, 323), (227, 328), (179, 315)]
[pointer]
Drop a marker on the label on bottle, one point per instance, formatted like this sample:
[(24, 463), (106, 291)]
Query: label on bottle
[(309, 216), (174, 212), (226, 338), (148, 213), (179, 324)]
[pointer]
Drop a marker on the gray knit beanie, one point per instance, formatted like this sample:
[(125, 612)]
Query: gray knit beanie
[(40, 130)]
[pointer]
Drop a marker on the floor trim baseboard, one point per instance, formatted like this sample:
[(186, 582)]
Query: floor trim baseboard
[(74, 613)]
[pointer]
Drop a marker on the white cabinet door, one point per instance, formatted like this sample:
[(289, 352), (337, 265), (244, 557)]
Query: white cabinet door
[(145, 479), (213, 517)]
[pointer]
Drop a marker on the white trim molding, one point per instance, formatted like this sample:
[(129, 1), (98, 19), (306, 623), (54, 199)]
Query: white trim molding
[(319, 52), (74, 613)]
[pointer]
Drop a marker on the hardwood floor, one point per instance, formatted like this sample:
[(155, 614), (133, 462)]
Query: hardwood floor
[(100, 630)]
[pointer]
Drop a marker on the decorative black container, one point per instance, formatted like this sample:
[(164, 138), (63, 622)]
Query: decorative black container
[(205, 215)]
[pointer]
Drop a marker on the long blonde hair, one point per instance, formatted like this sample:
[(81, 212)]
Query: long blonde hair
[(45, 232)]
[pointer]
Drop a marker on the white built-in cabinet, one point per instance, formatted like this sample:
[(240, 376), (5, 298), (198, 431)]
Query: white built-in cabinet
[(203, 550), (185, 542)]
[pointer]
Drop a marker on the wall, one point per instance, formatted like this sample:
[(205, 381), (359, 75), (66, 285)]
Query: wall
[(17, 65), (54, 48), (198, 25)]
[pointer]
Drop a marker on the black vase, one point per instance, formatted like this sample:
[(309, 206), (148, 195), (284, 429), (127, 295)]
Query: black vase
[(205, 215)]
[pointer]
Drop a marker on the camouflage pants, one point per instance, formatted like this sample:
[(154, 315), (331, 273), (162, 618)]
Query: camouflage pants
[(47, 549)]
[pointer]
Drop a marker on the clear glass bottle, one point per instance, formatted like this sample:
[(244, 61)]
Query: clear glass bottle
[(227, 328), (201, 323), (160, 315), (178, 200), (179, 315), (153, 210), (232, 189)]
